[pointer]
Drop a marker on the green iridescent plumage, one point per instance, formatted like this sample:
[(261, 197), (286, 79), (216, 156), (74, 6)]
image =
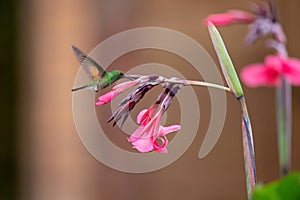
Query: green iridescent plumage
[(99, 77)]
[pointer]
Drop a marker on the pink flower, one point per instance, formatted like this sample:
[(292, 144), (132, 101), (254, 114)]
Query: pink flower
[(146, 115), (230, 17), (151, 135), (106, 98), (271, 71)]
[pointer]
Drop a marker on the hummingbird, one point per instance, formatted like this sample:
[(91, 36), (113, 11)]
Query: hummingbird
[(99, 78)]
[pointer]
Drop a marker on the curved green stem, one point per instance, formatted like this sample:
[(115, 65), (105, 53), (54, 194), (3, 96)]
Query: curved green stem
[(248, 148), (197, 83), (283, 102), (183, 82)]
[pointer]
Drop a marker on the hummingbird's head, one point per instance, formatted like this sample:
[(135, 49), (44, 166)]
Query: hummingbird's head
[(117, 74)]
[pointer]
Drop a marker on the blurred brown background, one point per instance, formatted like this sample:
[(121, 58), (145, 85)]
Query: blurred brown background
[(42, 157)]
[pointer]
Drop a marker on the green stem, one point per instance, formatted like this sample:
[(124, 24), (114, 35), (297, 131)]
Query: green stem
[(283, 98), (205, 84), (196, 83), (248, 147), (183, 82)]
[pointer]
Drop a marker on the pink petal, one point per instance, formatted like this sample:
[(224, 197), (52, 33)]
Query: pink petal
[(259, 75), (152, 111), (123, 86), (106, 98), (143, 145), (143, 132), (161, 148), (218, 19), (136, 134), (140, 116), (146, 137), (232, 16), (146, 115), (169, 129), (241, 16), (145, 118), (274, 61), (156, 125), (291, 68), (142, 139)]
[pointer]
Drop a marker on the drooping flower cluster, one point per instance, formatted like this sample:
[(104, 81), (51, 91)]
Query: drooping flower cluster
[(150, 135)]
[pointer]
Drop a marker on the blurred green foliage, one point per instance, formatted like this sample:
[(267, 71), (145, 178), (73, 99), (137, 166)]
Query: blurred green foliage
[(7, 101), (287, 188)]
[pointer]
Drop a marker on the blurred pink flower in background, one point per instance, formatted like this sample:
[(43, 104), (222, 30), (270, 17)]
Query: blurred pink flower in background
[(263, 22), (271, 71), (230, 17)]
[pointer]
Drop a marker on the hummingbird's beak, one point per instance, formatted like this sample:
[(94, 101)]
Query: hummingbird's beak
[(129, 77)]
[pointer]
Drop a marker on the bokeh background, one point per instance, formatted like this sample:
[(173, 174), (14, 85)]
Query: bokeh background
[(41, 155)]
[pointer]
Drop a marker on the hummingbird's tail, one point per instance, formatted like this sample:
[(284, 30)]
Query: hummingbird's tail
[(79, 88)]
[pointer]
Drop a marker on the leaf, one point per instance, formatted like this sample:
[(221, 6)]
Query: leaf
[(225, 62), (287, 188)]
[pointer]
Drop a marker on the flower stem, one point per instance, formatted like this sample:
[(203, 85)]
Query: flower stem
[(284, 120), (283, 101), (198, 83), (248, 147), (212, 85), (184, 82), (235, 85)]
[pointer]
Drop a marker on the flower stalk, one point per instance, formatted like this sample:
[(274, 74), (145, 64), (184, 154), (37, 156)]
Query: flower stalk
[(278, 70), (248, 145), (186, 82), (284, 120), (234, 84), (284, 107)]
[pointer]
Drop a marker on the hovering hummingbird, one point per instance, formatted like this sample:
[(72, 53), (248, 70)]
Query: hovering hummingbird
[(99, 78)]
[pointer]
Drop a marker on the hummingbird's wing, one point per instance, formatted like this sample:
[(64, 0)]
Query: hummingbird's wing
[(91, 67)]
